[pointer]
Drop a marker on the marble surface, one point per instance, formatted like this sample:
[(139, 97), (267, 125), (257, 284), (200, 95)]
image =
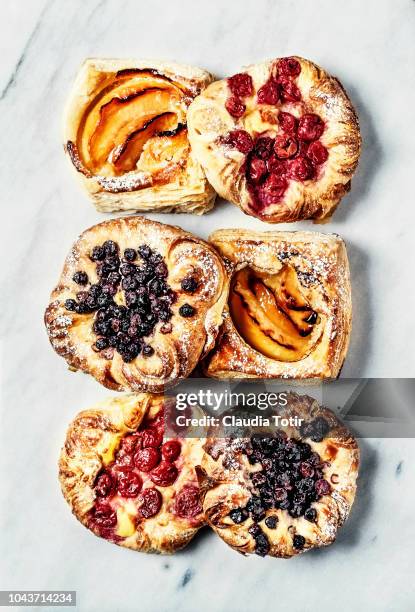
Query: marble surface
[(370, 46)]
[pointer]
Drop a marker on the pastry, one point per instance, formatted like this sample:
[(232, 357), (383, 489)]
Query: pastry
[(138, 304), (282, 493), (280, 139), (289, 307), (124, 482), (126, 136)]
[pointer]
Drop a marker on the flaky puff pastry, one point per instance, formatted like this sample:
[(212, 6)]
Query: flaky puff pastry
[(289, 307), (244, 499), (113, 480), (280, 139), (127, 308), (126, 136)]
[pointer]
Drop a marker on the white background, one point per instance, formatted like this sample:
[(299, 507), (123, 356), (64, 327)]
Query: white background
[(370, 46)]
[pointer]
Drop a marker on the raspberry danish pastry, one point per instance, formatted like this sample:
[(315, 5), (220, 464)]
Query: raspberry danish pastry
[(289, 306), (285, 493), (138, 304), (280, 139), (126, 136), (124, 482)]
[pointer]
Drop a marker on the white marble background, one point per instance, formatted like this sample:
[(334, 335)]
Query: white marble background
[(370, 46)]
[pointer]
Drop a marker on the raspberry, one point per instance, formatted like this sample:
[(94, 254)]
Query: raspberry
[(310, 127), (317, 153), (272, 190), (239, 139), (288, 66), (285, 146), (300, 169), (289, 90), (269, 93), (235, 107), (241, 85), (288, 122), (257, 169), (263, 147)]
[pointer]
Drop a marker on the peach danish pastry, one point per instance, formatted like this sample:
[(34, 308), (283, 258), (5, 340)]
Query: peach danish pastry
[(284, 492), (126, 483), (126, 136), (289, 305), (138, 304), (280, 139)]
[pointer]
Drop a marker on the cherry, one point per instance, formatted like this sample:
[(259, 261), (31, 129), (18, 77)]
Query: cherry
[(151, 437), (188, 503), (256, 171), (129, 484), (235, 107), (300, 169), (288, 66), (289, 90), (241, 140), (272, 190), (269, 93), (128, 444), (151, 503), (276, 166), (241, 85), (146, 459), (103, 515), (310, 127), (322, 487), (263, 147), (285, 146), (124, 461), (171, 450), (288, 122), (317, 153), (164, 474), (104, 484)]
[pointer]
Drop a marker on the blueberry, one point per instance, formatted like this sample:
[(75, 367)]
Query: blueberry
[(238, 515), (148, 350), (310, 515), (271, 522), (130, 254), (144, 251), (189, 284), (101, 343), (80, 277), (97, 254), (70, 305), (110, 248), (261, 545), (186, 310), (298, 542)]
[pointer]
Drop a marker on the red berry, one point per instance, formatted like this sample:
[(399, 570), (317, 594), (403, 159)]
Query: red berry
[(263, 147), (322, 487), (285, 146), (289, 90), (128, 444), (188, 503), (276, 166), (241, 85), (235, 107), (146, 459), (123, 460), (300, 169), (288, 66), (257, 169), (164, 474), (317, 153), (103, 515), (310, 127), (272, 190), (171, 450), (150, 504), (306, 469), (104, 484), (269, 93), (151, 437), (287, 122), (239, 139), (129, 484)]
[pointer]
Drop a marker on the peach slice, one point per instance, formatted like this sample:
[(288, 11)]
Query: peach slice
[(164, 156), (120, 118), (266, 320), (129, 153)]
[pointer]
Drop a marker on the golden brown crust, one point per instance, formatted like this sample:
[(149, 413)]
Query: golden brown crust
[(91, 443), (322, 94), (176, 353), (225, 483), (321, 264), (178, 185)]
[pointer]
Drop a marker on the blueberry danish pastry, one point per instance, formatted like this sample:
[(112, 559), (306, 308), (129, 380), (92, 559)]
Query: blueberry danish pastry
[(285, 493), (138, 304)]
